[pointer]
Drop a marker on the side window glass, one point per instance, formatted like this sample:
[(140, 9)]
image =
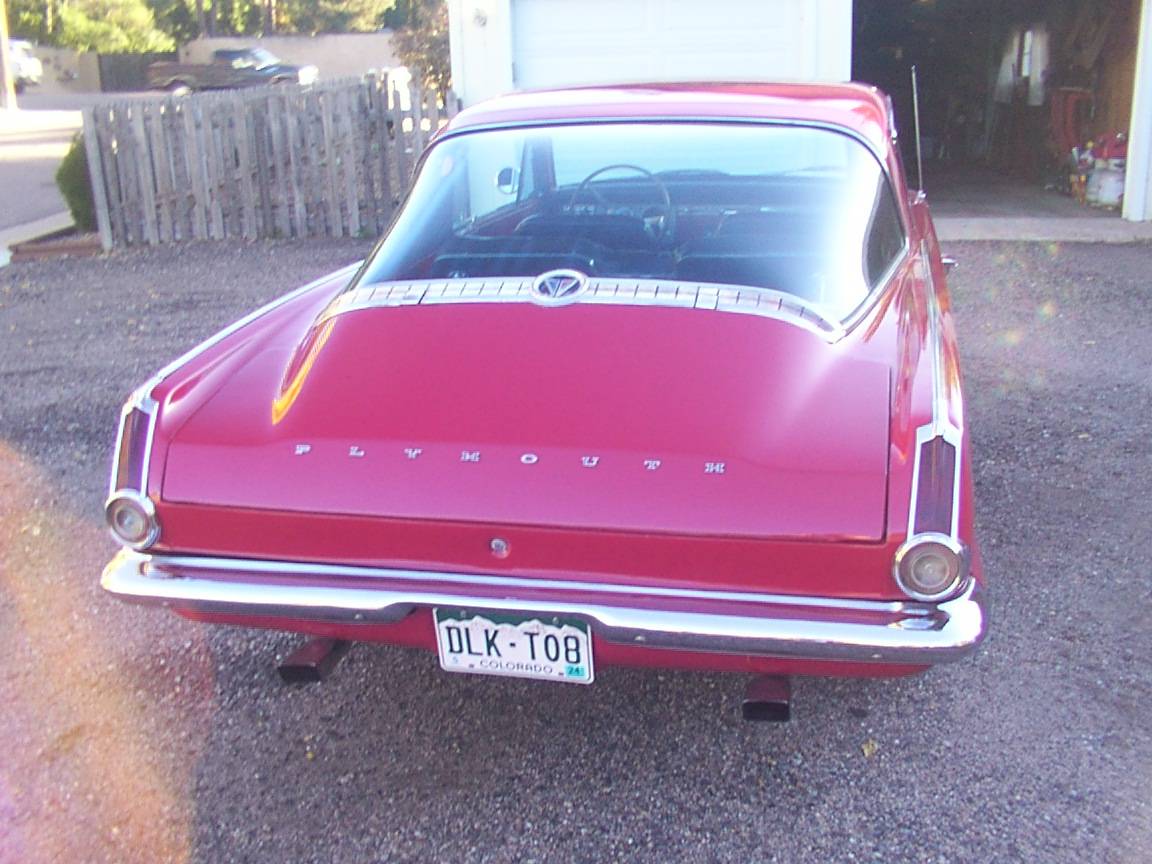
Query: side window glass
[(885, 235), (490, 161)]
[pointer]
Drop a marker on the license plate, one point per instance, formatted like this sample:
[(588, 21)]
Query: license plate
[(522, 646)]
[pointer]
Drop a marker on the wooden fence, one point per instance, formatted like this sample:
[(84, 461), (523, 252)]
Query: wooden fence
[(331, 160)]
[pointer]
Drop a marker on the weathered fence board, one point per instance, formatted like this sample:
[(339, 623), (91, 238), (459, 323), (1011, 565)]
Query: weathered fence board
[(329, 160)]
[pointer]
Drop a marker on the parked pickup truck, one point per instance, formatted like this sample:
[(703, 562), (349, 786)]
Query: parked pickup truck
[(230, 68)]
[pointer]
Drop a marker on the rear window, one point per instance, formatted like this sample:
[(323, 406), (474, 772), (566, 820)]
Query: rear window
[(801, 210)]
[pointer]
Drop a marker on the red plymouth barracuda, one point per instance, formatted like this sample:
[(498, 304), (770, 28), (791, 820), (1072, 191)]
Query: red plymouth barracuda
[(659, 376)]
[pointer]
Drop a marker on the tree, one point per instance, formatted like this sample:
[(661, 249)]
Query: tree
[(422, 43), (116, 25), (32, 19), (177, 18), (331, 16), (111, 26), (91, 25)]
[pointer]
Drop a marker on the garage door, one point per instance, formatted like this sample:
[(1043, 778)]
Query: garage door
[(556, 42)]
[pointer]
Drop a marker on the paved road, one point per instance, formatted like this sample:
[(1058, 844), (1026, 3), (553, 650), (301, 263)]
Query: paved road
[(32, 143), (33, 140), (130, 736)]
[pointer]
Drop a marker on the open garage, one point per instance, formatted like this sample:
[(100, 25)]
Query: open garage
[(1015, 95)]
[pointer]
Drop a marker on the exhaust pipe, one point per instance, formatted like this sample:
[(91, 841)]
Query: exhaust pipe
[(768, 699), (313, 661)]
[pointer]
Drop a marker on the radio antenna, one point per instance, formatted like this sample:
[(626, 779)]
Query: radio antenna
[(916, 123)]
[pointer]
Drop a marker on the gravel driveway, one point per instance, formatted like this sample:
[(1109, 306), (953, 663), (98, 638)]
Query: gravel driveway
[(132, 736)]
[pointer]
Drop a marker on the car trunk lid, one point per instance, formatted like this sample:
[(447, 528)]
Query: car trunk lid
[(611, 418)]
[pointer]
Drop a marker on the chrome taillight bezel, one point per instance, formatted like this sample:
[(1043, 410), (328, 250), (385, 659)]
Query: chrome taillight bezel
[(142, 504), (128, 485), (955, 552), (133, 445)]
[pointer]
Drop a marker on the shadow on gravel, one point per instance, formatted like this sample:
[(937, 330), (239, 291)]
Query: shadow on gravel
[(392, 759)]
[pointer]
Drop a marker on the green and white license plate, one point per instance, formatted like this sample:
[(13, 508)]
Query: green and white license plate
[(523, 646)]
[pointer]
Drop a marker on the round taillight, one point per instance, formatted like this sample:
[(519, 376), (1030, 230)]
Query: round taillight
[(931, 566), (132, 518)]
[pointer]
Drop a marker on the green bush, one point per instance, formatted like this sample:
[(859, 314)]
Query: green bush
[(76, 187)]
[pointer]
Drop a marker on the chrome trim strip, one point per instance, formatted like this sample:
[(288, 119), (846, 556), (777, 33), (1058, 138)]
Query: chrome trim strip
[(762, 624), (148, 406), (246, 566), (764, 302), (125, 410), (940, 413), (941, 425)]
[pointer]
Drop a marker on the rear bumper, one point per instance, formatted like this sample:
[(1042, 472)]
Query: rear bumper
[(726, 622)]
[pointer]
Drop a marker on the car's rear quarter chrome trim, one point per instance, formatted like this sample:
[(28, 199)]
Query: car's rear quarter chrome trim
[(769, 625), (936, 472)]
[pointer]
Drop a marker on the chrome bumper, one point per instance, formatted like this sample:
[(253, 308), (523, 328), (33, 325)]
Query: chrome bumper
[(770, 625)]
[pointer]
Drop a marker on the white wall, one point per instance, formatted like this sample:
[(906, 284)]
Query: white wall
[(336, 55), (67, 71), (1138, 177), (480, 36), (501, 45)]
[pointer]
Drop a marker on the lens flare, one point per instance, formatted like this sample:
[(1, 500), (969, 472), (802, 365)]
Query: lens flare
[(99, 747)]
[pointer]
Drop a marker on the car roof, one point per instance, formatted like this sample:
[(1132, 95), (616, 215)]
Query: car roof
[(858, 107)]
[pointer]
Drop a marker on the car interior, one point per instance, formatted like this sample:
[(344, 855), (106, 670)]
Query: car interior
[(819, 232), (715, 229)]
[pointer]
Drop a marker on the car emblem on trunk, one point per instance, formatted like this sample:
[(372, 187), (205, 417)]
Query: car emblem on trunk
[(558, 287)]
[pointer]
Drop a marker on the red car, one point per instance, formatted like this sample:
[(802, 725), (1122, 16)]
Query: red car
[(660, 376)]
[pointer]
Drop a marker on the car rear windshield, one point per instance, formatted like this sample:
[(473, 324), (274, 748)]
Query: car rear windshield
[(802, 210)]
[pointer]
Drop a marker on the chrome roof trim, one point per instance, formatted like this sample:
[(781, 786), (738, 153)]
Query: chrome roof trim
[(763, 302), (686, 119)]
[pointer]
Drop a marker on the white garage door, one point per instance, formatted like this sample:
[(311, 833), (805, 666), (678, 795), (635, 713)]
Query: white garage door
[(557, 42)]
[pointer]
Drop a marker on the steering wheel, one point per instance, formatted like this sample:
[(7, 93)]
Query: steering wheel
[(659, 220)]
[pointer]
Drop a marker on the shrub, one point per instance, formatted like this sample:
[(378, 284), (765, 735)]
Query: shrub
[(76, 186)]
